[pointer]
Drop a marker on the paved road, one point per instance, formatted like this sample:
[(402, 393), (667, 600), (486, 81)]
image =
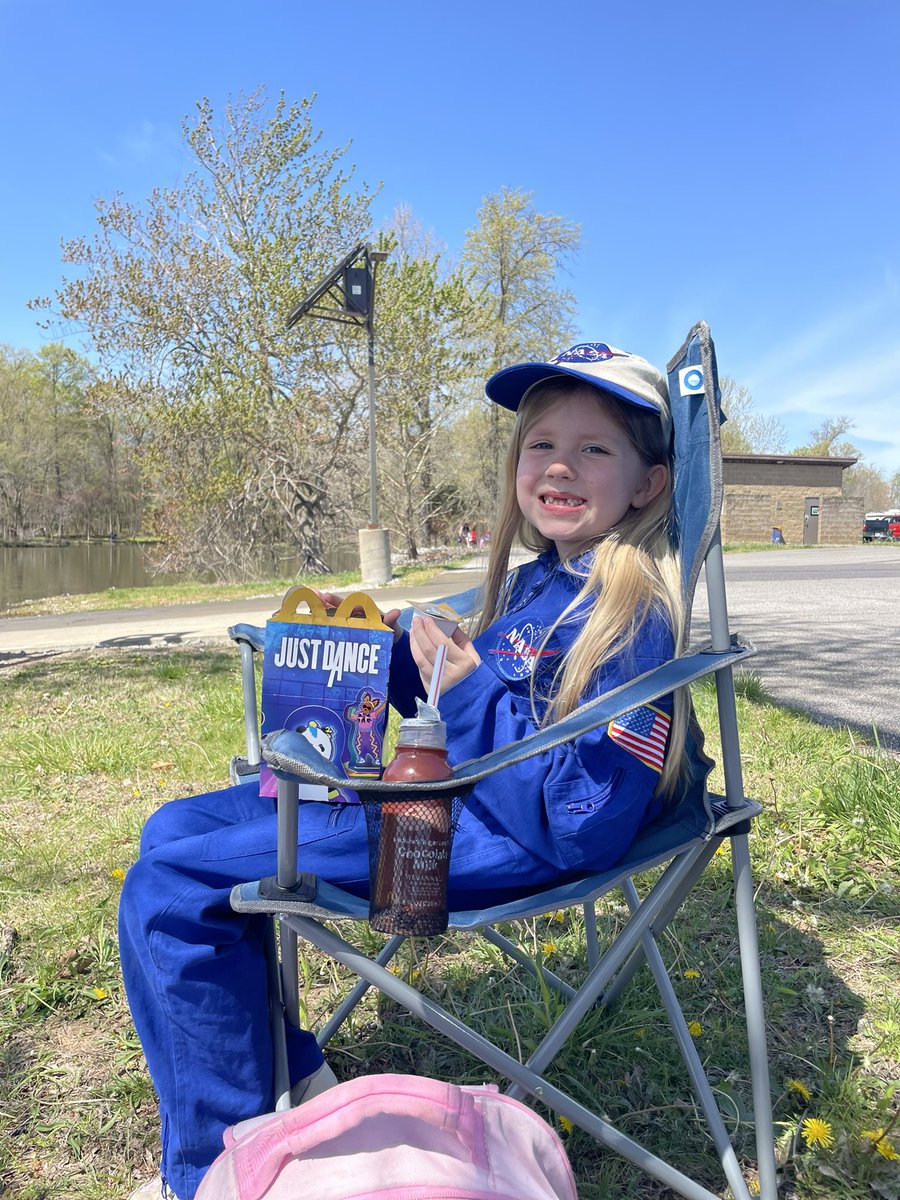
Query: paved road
[(826, 621), (29, 637), (827, 625)]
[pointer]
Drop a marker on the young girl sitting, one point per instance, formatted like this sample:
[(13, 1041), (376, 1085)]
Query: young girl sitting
[(588, 489)]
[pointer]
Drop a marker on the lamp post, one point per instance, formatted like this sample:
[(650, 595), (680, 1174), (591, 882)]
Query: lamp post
[(347, 295), (373, 258)]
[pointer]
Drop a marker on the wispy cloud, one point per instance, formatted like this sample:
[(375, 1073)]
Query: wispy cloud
[(146, 144), (845, 364)]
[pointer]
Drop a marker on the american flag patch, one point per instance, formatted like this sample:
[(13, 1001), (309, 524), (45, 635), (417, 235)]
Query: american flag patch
[(642, 732)]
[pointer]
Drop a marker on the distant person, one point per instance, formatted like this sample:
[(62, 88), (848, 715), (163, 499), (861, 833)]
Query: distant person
[(464, 535), (472, 538)]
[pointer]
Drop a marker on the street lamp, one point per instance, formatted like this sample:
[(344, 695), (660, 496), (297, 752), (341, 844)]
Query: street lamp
[(347, 295)]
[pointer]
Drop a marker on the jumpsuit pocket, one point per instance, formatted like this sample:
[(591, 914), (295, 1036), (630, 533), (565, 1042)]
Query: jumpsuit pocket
[(593, 822)]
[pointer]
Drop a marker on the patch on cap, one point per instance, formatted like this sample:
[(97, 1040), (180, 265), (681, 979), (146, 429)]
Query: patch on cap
[(588, 352)]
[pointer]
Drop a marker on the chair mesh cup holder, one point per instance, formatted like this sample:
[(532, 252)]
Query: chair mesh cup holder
[(410, 838)]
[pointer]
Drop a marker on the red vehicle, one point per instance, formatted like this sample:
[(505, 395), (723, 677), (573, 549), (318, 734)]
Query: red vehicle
[(881, 527)]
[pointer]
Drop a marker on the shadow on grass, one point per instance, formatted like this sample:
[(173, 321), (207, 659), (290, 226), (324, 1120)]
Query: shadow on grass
[(624, 1064)]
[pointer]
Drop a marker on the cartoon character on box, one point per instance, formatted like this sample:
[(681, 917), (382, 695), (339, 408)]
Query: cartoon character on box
[(320, 726), (364, 751)]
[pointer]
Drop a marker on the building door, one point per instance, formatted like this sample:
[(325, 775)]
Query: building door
[(811, 521)]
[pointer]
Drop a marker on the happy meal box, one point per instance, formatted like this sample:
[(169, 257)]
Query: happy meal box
[(325, 676)]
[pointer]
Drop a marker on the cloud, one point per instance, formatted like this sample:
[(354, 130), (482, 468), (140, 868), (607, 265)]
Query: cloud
[(846, 364), (143, 145)]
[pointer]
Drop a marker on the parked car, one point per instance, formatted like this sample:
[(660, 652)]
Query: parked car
[(881, 527)]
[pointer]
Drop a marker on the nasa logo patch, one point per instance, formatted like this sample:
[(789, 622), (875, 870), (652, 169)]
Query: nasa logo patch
[(518, 649)]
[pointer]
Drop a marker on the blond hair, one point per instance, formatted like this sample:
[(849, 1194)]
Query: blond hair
[(635, 566)]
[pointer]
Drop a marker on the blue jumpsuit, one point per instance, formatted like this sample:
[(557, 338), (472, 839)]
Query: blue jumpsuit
[(194, 970)]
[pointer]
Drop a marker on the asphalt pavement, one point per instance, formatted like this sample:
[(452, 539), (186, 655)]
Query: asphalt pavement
[(826, 622)]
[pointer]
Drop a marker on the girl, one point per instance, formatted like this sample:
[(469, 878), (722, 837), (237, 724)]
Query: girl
[(588, 489)]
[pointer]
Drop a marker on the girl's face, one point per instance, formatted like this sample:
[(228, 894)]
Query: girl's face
[(578, 474)]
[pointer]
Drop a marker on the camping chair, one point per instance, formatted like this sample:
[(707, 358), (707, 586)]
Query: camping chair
[(249, 640), (684, 840)]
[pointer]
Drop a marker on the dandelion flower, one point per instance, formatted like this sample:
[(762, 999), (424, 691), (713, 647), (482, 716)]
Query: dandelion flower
[(549, 948), (690, 973), (566, 1125), (883, 1145), (695, 1028), (816, 1132), (99, 993), (559, 916), (118, 874), (799, 1088)]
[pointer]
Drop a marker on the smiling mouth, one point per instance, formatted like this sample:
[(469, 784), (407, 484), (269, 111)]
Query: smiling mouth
[(561, 501)]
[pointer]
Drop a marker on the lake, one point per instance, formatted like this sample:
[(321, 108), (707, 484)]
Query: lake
[(32, 572)]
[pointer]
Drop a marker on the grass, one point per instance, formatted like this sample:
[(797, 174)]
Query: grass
[(94, 745)]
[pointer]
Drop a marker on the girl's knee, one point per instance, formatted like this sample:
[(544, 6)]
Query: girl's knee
[(201, 815), (170, 823)]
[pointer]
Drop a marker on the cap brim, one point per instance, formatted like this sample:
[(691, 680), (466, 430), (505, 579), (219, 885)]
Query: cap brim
[(508, 387)]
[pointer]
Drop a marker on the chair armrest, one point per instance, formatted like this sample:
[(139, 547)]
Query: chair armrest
[(464, 603), (253, 635), (250, 640), (291, 756)]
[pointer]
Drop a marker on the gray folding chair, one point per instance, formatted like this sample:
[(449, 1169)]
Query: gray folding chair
[(683, 840)]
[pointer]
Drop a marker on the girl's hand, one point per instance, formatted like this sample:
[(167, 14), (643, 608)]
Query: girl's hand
[(462, 657), (332, 602)]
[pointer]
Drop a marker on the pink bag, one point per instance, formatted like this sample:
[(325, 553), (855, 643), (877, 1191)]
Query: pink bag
[(394, 1137)]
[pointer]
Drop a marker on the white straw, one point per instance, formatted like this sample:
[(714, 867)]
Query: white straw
[(437, 675)]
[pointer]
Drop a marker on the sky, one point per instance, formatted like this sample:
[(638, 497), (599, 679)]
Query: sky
[(736, 163)]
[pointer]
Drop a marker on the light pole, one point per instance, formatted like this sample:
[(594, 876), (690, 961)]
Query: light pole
[(373, 258), (347, 295)]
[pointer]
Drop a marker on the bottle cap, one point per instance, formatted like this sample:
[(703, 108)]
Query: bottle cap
[(424, 729)]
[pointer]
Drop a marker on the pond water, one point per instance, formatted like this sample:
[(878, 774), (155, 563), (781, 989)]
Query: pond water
[(32, 572)]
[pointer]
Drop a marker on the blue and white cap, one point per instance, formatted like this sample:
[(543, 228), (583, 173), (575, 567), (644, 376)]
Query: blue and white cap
[(613, 371)]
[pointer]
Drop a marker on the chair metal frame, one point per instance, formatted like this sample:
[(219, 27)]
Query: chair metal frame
[(306, 908)]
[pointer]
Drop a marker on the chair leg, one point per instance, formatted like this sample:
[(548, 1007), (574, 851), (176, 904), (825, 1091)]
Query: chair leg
[(524, 960), (529, 1082), (756, 1021), (356, 993), (591, 938), (612, 994), (700, 1083), (277, 1015)]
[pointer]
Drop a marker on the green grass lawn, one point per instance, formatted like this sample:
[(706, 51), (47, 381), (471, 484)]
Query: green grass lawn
[(93, 746)]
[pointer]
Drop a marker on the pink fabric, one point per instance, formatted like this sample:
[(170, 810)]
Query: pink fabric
[(395, 1137)]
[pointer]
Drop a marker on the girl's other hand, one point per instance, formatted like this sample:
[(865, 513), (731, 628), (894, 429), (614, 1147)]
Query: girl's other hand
[(329, 599), (332, 602), (462, 657)]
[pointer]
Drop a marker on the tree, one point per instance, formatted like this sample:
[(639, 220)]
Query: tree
[(427, 326), (867, 482), (870, 484), (183, 300), (824, 443), (54, 477), (747, 431), (514, 255)]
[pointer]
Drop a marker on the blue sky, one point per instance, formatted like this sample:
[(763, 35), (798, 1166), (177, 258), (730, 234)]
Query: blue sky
[(738, 163)]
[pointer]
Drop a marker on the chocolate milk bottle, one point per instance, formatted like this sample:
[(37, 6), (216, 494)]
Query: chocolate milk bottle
[(410, 893)]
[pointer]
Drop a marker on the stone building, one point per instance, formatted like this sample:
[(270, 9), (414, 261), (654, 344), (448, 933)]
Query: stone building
[(802, 496)]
